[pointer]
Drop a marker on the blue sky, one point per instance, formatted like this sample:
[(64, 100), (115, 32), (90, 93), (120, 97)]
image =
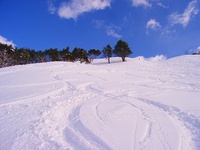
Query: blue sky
[(150, 27)]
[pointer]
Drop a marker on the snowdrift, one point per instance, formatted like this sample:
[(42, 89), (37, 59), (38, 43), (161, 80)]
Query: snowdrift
[(137, 104)]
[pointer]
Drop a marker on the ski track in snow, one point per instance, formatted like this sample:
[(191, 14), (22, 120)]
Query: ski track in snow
[(188, 121), (132, 105)]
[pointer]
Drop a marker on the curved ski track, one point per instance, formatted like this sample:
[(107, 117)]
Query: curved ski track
[(104, 110)]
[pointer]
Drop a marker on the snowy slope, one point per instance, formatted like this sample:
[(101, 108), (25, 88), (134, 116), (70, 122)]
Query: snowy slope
[(139, 104)]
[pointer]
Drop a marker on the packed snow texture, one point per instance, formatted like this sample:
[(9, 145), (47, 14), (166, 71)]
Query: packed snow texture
[(133, 105)]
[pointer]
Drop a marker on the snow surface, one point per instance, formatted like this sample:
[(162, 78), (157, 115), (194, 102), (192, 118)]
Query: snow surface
[(133, 105)]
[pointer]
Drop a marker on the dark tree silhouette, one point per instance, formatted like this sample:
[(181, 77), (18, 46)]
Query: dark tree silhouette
[(93, 53), (79, 54), (66, 54), (10, 56), (122, 49), (6, 55), (40, 56), (107, 52), (53, 54)]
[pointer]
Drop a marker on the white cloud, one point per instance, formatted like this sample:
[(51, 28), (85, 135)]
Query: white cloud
[(4, 40), (198, 49), (111, 31), (74, 8), (98, 23), (51, 7), (153, 24), (167, 31), (162, 5), (144, 3), (185, 18)]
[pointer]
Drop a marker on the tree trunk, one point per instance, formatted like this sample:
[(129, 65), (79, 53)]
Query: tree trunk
[(123, 59)]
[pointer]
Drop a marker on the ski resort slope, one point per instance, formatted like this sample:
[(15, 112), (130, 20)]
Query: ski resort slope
[(133, 105)]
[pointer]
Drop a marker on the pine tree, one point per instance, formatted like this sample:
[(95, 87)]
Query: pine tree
[(107, 52), (53, 54), (122, 49), (79, 54), (65, 54), (6, 55), (93, 53)]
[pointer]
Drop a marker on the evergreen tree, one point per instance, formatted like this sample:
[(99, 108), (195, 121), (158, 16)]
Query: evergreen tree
[(6, 55), (93, 53), (79, 54), (97, 53), (22, 56), (122, 49), (53, 54), (75, 54), (107, 52), (84, 56), (10, 56), (65, 54), (40, 56)]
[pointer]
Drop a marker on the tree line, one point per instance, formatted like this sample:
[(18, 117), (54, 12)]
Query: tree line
[(10, 56)]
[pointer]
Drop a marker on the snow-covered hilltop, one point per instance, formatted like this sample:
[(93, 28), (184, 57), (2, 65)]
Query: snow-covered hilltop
[(138, 104)]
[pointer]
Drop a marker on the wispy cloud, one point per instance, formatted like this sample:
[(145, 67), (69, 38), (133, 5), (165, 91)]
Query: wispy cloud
[(167, 31), (74, 8), (198, 49), (51, 7), (144, 3), (4, 40), (162, 5), (153, 25), (184, 19), (98, 23), (111, 30)]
